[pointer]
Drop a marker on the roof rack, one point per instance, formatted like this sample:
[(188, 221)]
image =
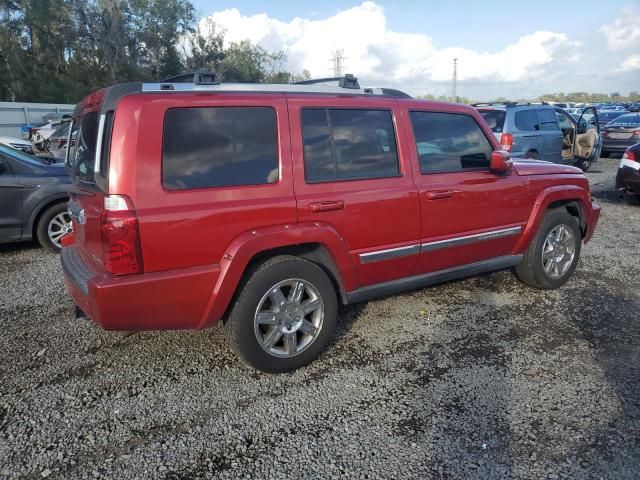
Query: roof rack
[(348, 81), (197, 78), (506, 104)]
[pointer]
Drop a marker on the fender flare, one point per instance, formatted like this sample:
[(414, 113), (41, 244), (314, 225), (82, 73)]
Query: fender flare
[(545, 198), (246, 246)]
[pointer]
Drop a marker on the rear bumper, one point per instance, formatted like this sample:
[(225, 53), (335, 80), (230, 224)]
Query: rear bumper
[(613, 145), (628, 178), (171, 300)]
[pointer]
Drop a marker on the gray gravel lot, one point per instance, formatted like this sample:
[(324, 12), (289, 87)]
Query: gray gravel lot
[(482, 378)]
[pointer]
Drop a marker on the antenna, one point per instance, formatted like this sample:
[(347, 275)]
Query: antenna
[(454, 88), (338, 58)]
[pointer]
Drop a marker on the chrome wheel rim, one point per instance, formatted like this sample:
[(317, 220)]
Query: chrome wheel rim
[(58, 227), (289, 318), (558, 251)]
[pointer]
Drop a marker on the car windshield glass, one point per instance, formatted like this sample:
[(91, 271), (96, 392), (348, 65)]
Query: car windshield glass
[(495, 119)]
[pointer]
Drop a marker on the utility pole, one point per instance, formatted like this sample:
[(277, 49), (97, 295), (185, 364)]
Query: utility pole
[(454, 89), (337, 59)]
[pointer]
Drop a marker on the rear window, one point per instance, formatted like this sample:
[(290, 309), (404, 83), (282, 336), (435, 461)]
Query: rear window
[(628, 119), (343, 144), (82, 154), (495, 119), (205, 147), (527, 121), (607, 116)]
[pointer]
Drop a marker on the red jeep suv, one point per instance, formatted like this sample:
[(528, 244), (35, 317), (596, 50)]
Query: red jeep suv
[(268, 206)]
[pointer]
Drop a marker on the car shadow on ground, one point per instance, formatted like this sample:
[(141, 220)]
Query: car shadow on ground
[(18, 246)]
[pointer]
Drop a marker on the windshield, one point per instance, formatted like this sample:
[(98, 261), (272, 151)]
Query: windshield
[(495, 119)]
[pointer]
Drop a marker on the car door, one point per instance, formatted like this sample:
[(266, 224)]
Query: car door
[(468, 213), (352, 174), (552, 137), (11, 197)]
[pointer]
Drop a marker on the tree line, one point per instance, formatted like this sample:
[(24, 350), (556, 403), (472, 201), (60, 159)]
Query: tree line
[(60, 50)]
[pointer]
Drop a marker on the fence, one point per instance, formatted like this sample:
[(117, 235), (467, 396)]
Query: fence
[(13, 115)]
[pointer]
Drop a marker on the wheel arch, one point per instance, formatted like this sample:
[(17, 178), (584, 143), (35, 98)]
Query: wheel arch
[(38, 211), (319, 244)]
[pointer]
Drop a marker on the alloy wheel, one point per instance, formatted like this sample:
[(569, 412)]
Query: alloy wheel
[(289, 317), (58, 227), (558, 251)]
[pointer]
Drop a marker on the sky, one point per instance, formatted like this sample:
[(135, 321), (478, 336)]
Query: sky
[(504, 49)]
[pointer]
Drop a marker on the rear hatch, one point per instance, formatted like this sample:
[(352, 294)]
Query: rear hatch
[(495, 119), (89, 178)]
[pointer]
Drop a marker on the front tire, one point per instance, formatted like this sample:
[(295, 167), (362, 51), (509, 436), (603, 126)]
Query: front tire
[(54, 223), (284, 316), (583, 164), (553, 253)]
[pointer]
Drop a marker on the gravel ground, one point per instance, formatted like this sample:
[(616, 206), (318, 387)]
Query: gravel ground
[(479, 378)]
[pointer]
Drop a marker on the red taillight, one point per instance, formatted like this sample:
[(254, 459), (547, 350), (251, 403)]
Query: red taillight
[(629, 155), (120, 239), (506, 141)]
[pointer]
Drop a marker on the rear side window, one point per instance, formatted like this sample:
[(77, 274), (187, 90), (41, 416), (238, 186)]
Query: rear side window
[(343, 144), (448, 142), (206, 147), (495, 119), (527, 121), (548, 120)]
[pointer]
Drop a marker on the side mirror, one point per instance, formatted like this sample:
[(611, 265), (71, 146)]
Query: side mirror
[(500, 161)]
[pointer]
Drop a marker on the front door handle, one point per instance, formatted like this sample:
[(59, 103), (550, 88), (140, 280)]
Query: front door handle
[(326, 206), (439, 195)]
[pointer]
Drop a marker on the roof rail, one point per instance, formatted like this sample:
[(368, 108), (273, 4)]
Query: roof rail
[(348, 81), (198, 78)]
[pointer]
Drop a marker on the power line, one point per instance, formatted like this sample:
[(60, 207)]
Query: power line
[(337, 59)]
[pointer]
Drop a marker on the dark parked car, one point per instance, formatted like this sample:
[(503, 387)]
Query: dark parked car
[(607, 116), (620, 134), (628, 178), (33, 199)]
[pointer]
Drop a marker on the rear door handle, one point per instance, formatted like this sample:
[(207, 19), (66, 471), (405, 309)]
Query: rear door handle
[(326, 206), (439, 195)]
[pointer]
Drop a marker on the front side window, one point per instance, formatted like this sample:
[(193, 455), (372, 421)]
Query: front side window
[(547, 120), (343, 144), (448, 142), (563, 120), (206, 147)]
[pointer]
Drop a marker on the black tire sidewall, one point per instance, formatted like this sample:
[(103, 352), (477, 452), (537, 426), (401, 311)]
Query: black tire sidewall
[(550, 222), (532, 155), (43, 226), (241, 320), (584, 165)]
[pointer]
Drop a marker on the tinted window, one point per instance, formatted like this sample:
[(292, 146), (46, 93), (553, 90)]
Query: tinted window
[(219, 146), (83, 156), (449, 142), (608, 116), (627, 120), (348, 144), (547, 119), (527, 120), (495, 119)]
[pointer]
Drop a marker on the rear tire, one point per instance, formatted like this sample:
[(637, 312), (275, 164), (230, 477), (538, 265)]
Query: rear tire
[(532, 154), (54, 223), (553, 253), (284, 315), (583, 164), (632, 198)]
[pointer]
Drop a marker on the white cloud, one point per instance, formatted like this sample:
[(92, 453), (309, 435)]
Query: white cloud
[(631, 63), (374, 51), (624, 32)]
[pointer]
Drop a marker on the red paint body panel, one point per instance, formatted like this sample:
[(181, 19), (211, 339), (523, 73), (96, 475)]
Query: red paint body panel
[(197, 244)]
